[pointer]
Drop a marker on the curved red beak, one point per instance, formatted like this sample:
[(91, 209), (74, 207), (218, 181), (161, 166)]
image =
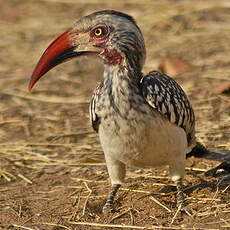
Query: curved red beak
[(58, 51), (66, 46)]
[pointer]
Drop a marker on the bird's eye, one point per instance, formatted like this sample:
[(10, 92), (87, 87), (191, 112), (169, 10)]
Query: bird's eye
[(100, 31)]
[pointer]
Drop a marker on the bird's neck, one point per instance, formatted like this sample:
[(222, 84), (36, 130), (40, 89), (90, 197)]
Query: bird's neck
[(122, 88), (118, 74)]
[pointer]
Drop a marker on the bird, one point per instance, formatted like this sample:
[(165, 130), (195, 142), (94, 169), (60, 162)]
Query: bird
[(142, 120)]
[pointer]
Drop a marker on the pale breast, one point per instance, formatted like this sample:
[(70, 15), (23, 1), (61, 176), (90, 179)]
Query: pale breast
[(149, 142)]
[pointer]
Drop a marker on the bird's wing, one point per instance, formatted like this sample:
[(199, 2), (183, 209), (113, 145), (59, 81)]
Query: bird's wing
[(166, 96), (95, 120)]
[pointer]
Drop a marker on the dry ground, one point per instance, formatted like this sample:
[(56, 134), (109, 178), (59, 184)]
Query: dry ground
[(52, 171)]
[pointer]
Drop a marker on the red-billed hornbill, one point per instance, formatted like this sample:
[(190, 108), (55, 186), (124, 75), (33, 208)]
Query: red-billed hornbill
[(142, 121)]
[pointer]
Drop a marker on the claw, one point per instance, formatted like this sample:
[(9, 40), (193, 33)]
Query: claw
[(108, 207)]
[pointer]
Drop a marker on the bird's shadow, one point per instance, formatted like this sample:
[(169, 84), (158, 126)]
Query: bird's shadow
[(222, 156), (218, 155), (220, 172)]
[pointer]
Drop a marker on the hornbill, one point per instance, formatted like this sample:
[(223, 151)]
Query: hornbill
[(142, 120)]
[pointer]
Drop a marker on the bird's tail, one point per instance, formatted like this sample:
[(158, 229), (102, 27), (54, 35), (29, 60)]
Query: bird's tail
[(198, 151)]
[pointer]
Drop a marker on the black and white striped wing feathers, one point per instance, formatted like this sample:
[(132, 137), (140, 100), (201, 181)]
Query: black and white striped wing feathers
[(95, 120), (165, 95)]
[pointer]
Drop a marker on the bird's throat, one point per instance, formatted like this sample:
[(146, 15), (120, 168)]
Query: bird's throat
[(112, 57)]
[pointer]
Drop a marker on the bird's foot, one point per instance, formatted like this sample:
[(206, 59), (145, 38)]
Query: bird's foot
[(108, 207)]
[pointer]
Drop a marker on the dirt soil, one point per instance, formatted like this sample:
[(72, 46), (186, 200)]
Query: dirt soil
[(52, 169)]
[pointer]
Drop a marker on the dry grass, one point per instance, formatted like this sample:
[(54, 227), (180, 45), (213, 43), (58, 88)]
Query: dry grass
[(52, 171)]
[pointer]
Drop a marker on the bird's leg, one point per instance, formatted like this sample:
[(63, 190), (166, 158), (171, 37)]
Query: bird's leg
[(116, 170), (180, 193), (177, 171), (108, 207)]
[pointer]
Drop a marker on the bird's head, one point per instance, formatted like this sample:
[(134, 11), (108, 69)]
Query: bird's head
[(112, 35)]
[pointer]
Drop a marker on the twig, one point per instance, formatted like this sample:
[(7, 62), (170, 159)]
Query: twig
[(147, 176), (48, 99), (90, 1), (226, 189), (86, 199), (10, 122), (131, 217), (87, 180), (196, 169), (22, 227), (7, 176), (175, 215), (135, 190), (159, 203), (57, 137), (137, 227), (218, 77), (26, 221), (120, 214), (77, 207), (216, 222), (36, 144), (202, 199), (56, 225), (216, 193), (25, 179)]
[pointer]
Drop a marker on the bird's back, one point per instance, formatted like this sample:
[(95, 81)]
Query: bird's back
[(166, 96)]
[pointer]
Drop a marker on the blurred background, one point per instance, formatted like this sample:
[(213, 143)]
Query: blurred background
[(45, 137)]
